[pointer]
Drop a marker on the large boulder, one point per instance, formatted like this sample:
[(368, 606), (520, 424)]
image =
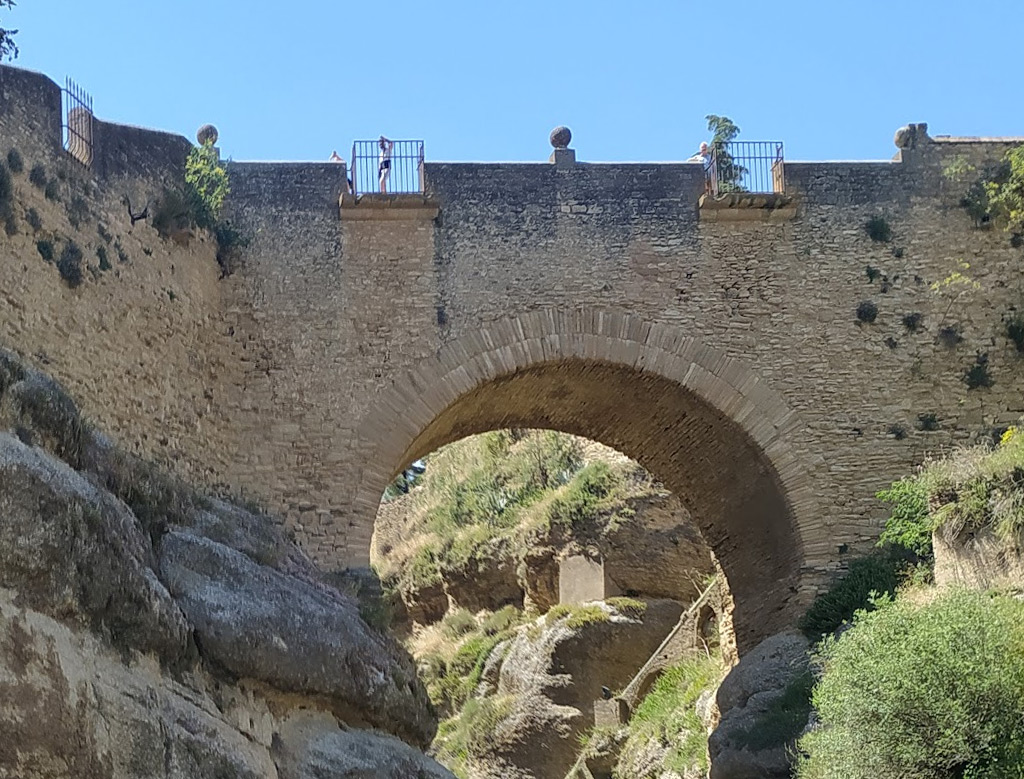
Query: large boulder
[(72, 708), (76, 553), (310, 745), (256, 622), (744, 699)]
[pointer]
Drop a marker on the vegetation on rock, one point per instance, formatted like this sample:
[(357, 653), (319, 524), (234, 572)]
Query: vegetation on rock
[(973, 489), (486, 497), (668, 718)]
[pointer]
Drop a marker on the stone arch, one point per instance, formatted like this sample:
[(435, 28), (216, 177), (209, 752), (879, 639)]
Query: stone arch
[(703, 422)]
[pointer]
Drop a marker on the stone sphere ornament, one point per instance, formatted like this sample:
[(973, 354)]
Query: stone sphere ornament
[(206, 134), (560, 137)]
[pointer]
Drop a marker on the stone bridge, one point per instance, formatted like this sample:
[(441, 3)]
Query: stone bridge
[(721, 347)]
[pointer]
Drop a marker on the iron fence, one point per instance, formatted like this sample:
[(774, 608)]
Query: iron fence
[(395, 168), (746, 166), (77, 126)]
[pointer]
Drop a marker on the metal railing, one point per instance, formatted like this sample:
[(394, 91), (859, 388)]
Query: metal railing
[(77, 126), (746, 166), (403, 173)]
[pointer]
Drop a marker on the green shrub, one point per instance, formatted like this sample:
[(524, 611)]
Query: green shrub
[(52, 191), (34, 220), (930, 692), (908, 526), (45, 249), (878, 229), (10, 225), (1006, 192), (206, 185), (101, 253), (577, 616), (468, 735), (458, 622), (667, 716), (1015, 330), (38, 175), (876, 574), (584, 497), (867, 311), (78, 211), (628, 607), (979, 488), (503, 619), (977, 375), (15, 162), (70, 264)]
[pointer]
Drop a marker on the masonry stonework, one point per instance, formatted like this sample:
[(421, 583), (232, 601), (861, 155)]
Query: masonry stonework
[(724, 354)]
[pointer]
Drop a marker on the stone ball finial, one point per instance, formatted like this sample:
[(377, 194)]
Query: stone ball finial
[(560, 137), (908, 136), (206, 134)]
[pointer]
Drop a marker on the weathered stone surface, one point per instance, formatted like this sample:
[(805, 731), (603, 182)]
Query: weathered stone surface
[(312, 746), (744, 696), (258, 623), (74, 552), (72, 708)]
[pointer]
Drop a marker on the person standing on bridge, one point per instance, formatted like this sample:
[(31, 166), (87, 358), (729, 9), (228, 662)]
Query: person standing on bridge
[(384, 167)]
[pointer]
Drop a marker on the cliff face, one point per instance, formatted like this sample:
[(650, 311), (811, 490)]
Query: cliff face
[(149, 631)]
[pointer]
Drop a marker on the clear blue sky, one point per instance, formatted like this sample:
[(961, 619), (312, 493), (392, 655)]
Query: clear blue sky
[(487, 81)]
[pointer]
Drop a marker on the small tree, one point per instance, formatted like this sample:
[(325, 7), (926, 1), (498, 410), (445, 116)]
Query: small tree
[(1006, 193), (729, 172), (8, 49), (206, 182)]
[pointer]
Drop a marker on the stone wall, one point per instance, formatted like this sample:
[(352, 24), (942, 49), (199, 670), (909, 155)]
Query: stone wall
[(143, 345), (726, 356)]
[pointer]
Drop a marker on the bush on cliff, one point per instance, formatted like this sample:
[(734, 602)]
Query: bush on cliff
[(976, 488), (928, 691), (876, 574)]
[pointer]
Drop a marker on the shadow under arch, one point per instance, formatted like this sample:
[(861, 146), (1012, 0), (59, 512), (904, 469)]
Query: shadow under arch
[(702, 422)]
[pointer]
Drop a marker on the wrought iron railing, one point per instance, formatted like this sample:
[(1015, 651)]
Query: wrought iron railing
[(77, 125), (395, 168), (746, 166)]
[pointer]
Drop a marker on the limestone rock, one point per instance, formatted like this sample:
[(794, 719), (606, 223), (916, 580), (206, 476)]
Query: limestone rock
[(77, 554), (552, 678), (258, 623), (312, 746), (72, 708), (745, 694)]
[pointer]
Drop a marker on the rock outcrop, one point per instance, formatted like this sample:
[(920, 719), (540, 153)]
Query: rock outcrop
[(148, 632), (744, 698), (549, 677)]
